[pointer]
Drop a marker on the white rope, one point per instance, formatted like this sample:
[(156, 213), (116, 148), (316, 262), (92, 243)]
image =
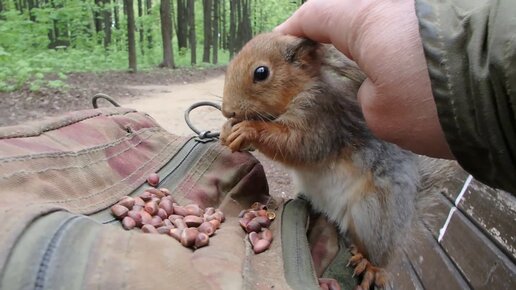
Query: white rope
[(442, 231)]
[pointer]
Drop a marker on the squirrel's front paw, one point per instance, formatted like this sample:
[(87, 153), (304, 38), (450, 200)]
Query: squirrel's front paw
[(225, 131), (242, 136)]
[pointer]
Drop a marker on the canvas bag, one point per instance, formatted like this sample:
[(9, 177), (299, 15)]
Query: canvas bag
[(59, 177)]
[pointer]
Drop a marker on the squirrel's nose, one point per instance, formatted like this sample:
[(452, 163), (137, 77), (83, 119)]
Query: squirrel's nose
[(227, 113)]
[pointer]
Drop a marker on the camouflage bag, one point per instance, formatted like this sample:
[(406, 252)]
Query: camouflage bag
[(60, 176)]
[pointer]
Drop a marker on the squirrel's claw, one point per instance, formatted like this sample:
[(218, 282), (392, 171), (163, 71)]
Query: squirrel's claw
[(370, 274), (241, 136)]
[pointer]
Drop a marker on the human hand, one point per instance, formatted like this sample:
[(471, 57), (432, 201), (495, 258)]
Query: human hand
[(382, 37)]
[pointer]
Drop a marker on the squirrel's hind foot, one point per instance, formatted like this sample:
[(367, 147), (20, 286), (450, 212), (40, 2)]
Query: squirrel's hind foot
[(370, 274)]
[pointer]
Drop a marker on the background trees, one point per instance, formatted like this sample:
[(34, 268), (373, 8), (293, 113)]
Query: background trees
[(38, 37)]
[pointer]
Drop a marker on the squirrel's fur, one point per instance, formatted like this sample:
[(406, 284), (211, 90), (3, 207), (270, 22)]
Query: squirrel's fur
[(306, 116)]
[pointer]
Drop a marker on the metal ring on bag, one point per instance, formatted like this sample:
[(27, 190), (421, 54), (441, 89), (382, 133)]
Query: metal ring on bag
[(203, 134), (94, 100)]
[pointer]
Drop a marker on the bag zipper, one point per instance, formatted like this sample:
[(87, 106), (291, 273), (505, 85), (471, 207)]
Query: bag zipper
[(44, 264)]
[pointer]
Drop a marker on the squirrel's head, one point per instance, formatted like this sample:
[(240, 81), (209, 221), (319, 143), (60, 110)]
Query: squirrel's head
[(269, 71)]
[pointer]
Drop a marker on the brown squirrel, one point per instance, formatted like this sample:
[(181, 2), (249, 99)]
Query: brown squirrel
[(295, 101)]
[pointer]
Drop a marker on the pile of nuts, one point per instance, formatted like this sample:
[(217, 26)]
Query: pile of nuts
[(155, 211), (256, 221)]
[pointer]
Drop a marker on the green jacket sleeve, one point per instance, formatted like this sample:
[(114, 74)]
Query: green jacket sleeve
[(470, 48)]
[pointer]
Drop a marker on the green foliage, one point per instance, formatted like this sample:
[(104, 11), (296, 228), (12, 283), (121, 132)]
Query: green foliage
[(26, 59)]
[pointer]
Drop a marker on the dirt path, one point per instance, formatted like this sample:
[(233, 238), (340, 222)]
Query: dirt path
[(167, 105)]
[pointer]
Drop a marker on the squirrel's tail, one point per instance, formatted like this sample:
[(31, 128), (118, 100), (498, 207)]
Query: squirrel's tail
[(434, 174)]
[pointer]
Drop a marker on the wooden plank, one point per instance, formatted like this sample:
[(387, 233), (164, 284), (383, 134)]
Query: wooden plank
[(434, 269), (481, 263), (492, 211), (404, 277)]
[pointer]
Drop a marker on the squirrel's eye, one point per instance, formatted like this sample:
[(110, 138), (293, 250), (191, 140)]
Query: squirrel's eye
[(261, 73)]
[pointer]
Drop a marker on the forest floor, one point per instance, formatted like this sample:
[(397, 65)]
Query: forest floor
[(163, 94)]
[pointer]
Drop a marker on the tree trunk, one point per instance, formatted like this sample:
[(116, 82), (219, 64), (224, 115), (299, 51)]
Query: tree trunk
[(224, 35), (148, 9), (182, 24), (215, 38), (116, 14), (232, 27), (140, 27), (245, 23), (131, 43), (1, 6), (30, 5), (207, 7), (97, 19), (166, 34), (191, 31), (107, 23)]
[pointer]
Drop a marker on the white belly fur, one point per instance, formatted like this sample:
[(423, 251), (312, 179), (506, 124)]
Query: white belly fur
[(332, 190)]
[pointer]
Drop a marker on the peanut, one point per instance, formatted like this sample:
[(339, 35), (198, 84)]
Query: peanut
[(243, 223), (149, 229), (167, 223), (250, 215), (166, 204), (127, 201), (136, 216), (179, 210), (162, 214), (207, 228), (253, 238), (266, 234), (156, 221), (164, 229), (188, 236), (151, 207), (180, 224), (146, 217), (119, 211), (263, 221), (261, 246), (176, 234), (194, 209), (209, 211), (165, 191), (173, 217), (155, 191), (215, 223), (139, 201), (193, 221), (201, 240), (253, 226), (146, 196), (128, 223), (220, 215), (153, 179)]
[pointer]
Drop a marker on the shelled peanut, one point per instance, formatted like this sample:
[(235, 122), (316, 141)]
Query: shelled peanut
[(256, 221), (156, 212)]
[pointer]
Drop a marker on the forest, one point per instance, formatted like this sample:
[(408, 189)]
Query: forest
[(55, 37)]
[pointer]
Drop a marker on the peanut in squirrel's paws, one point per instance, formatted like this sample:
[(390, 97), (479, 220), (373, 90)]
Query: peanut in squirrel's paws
[(370, 274), (241, 136)]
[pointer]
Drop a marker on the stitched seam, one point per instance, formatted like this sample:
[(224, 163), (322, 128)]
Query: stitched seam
[(444, 62), (213, 155), (124, 187), (24, 172), (66, 154), (17, 134)]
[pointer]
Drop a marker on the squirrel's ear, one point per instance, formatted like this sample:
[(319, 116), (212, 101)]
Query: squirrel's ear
[(301, 50)]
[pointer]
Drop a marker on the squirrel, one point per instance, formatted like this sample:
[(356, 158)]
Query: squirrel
[(294, 100)]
